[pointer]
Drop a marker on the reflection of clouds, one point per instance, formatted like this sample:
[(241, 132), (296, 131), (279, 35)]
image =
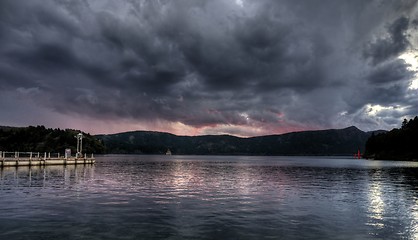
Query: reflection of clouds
[(414, 221), (376, 208), (392, 203), (191, 196), (214, 182), (184, 180)]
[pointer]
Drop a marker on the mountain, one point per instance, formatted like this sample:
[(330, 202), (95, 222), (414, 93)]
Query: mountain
[(324, 142), (397, 144)]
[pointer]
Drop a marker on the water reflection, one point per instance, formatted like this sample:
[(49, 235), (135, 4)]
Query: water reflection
[(45, 176), (376, 206), (205, 197), (392, 202), (414, 222)]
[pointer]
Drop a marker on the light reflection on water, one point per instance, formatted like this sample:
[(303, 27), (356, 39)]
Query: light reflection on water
[(376, 204), (206, 197)]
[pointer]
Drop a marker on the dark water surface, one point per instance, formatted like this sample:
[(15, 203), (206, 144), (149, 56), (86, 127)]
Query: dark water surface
[(207, 197)]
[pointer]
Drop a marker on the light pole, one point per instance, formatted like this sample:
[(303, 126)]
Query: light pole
[(79, 144)]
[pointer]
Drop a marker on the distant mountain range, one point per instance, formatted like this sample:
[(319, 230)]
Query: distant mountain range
[(332, 142)]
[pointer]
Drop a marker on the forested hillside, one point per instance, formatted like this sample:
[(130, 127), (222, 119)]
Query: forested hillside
[(326, 142), (41, 139), (398, 144)]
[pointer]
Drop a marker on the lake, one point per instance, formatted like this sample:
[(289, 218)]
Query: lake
[(211, 197)]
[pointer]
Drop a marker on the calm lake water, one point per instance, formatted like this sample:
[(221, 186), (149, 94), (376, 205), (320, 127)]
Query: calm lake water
[(211, 197)]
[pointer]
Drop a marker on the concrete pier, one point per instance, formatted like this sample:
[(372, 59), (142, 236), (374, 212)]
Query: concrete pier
[(15, 159)]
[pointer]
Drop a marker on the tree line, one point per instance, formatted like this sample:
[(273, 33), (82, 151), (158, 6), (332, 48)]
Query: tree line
[(397, 144), (41, 139)]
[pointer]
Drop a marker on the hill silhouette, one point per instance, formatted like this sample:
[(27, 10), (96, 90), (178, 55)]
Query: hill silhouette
[(397, 144), (41, 139), (331, 142), (324, 142)]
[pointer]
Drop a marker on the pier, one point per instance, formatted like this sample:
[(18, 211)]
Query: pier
[(15, 159)]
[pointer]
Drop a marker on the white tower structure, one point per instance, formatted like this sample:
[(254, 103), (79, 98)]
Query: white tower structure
[(79, 145)]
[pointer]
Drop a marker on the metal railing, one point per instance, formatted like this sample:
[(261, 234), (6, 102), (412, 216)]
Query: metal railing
[(4, 155)]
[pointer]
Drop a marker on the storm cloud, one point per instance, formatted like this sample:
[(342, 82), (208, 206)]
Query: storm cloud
[(208, 67)]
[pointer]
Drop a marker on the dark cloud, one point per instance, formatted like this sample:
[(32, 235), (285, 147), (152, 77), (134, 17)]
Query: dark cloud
[(391, 72), (392, 45), (260, 67)]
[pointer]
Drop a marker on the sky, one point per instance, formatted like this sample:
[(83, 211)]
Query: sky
[(196, 67)]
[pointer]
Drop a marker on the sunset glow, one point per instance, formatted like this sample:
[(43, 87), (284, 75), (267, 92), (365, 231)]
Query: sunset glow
[(245, 68)]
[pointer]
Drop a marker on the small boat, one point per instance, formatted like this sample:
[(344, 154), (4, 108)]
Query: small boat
[(168, 152)]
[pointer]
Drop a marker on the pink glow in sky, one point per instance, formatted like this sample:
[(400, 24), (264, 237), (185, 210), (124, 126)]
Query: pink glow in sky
[(245, 68)]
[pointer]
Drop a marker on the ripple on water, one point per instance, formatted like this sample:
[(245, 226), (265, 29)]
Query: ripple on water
[(191, 197)]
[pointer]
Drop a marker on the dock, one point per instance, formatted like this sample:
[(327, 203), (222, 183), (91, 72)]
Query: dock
[(15, 159)]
